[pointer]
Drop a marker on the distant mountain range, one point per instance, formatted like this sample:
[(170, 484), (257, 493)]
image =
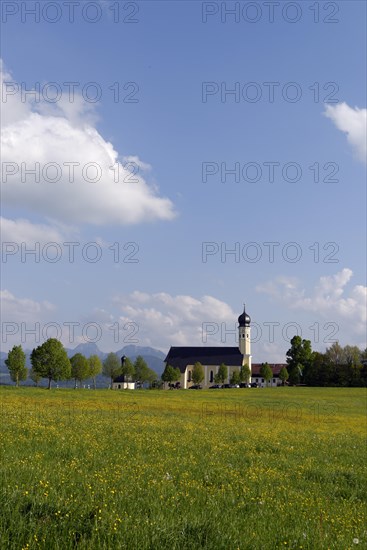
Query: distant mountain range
[(153, 357)]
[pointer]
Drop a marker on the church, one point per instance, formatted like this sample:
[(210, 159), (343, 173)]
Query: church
[(211, 358)]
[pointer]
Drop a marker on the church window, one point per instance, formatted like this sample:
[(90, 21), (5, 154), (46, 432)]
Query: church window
[(189, 377), (211, 376)]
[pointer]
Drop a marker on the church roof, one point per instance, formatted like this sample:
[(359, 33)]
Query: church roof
[(182, 356)]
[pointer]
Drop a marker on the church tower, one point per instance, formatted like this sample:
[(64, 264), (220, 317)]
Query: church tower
[(244, 337)]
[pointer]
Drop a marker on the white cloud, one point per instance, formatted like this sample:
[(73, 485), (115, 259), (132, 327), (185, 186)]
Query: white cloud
[(22, 320), (328, 298), (19, 309), (23, 231), (353, 122), (55, 137), (165, 320)]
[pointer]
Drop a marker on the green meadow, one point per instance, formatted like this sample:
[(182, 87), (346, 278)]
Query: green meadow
[(218, 469)]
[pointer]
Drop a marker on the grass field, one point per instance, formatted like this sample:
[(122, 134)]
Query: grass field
[(218, 469)]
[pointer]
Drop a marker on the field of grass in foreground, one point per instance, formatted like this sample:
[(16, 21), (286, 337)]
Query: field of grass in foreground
[(218, 469)]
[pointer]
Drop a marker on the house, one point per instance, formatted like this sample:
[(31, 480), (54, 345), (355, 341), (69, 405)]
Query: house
[(120, 384), (275, 380), (211, 358)]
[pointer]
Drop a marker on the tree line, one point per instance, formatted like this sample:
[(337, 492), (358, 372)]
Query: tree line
[(338, 366), (51, 362)]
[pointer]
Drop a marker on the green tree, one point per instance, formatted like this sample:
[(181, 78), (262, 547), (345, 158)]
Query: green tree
[(322, 372), (141, 368), (50, 361), (336, 354), (363, 374), (34, 376), (299, 358), (266, 372), (79, 368), (283, 375), (235, 377), (245, 373), (221, 375), (151, 376), (127, 369), (111, 367), (352, 356), (197, 373), (95, 367), (171, 374), (16, 365)]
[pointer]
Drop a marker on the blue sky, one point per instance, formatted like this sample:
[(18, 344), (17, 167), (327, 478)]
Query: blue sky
[(182, 125)]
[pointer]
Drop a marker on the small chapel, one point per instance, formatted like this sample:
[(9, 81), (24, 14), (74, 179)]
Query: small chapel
[(211, 358)]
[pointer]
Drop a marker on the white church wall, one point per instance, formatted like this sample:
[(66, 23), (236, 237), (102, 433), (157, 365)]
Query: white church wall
[(123, 386)]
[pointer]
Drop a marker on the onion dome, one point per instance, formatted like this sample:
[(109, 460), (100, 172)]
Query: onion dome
[(244, 320)]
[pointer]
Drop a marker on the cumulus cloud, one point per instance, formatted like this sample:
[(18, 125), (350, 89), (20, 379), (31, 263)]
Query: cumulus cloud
[(329, 297), (24, 231), (78, 177), (353, 122), (165, 320), (22, 320), (21, 308)]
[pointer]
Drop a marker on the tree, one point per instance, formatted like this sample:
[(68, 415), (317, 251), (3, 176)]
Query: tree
[(16, 365), (50, 361), (336, 354), (111, 366), (151, 376), (127, 369), (363, 374), (141, 368), (245, 373), (95, 367), (299, 357), (221, 375), (34, 376), (79, 368), (266, 372), (235, 378), (352, 356), (283, 375), (319, 373), (295, 374), (171, 374), (197, 373)]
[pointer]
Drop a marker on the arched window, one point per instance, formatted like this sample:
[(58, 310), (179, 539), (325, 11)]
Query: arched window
[(189, 376), (211, 376)]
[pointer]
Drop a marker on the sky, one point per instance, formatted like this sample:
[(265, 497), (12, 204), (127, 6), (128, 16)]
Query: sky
[(165, 162)]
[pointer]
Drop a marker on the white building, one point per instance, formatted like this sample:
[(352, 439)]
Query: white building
[(211, 358)]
